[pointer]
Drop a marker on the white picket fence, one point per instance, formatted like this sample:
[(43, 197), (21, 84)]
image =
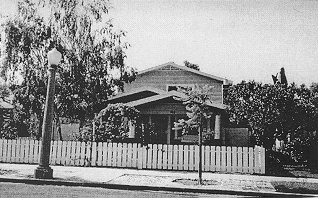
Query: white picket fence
[(135, 155)]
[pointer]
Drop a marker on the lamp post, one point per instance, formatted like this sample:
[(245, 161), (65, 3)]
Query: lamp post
[(44, 171)]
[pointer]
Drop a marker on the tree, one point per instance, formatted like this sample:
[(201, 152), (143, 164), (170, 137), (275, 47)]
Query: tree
[(288, 113), (93, 53), (112, 123), (197, 102), (314, 87), (191, 65)]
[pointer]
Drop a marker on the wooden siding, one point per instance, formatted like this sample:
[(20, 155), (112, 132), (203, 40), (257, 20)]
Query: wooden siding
[(162, 108), (161, 78)]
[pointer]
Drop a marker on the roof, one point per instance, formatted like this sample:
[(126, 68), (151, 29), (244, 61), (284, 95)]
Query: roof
[(138, 90), (167, 95), (186, 69), (5, 105), (155, 98)]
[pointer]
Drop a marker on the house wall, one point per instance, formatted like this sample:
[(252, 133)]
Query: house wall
[(162, 108), (161, 78)]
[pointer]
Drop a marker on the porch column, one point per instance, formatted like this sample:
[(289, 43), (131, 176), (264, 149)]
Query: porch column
[(208, 125), (175, 130), (150, 120), (217, 127), (169, 130), (131, 133)]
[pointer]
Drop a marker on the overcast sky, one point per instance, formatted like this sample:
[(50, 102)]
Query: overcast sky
[(236, 39)]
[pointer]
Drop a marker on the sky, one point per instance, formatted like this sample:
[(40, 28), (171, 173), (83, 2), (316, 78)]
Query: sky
[(233, 39)]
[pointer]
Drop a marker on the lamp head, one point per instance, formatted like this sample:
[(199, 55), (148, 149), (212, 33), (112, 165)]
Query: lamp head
[(54, 57)]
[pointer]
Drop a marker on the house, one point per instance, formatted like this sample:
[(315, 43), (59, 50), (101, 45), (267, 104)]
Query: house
[(154, 94)]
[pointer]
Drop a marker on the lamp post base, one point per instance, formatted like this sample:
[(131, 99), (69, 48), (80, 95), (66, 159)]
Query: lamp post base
[(43, 173)]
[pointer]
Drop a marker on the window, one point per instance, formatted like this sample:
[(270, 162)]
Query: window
[(174, 87)]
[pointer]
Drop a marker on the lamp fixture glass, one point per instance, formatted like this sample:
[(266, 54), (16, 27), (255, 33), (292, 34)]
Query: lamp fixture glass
[(54, 57)]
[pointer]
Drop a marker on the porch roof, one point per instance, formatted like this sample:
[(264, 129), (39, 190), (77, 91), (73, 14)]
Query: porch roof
[(5, 105), (138, 90), (167, 95)]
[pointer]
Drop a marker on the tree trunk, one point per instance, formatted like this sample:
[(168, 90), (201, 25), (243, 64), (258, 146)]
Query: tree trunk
[(200, 153)]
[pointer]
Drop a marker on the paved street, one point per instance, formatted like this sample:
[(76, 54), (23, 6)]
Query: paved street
[(27, 190)]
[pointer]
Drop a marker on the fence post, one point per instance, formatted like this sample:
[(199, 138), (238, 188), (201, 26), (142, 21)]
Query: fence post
[(263, 160)]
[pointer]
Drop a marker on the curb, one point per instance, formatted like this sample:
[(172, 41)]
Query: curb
[(152, 188)]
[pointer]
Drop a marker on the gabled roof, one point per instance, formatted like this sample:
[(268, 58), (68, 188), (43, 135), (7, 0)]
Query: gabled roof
[(167, 95), (138, 90), (186, 69)]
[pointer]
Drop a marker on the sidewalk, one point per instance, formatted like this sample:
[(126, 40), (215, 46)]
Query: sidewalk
[(164, 180)]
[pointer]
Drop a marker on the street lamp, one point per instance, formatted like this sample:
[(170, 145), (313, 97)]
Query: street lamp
[(43, 171)]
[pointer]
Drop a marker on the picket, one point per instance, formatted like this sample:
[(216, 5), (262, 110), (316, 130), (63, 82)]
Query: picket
[(139, 156), (234, 160), (105, 153), (93, 154), (218, 158), (73, 153), (206, 158), (175, 157), (154, 156), (1, 149), (82, 153), (119, 155), (180, 157), (191, 157), (250, 160), (134, 155), (245, 159), (170, 155), (4, 155), (186, 157), (36, 151), (63, 153), (223, 159), (212, 159), (53, 153), (228, 159), (262, 160), (109, 154), (78, 154), (196, 158), (68, 153), (31, 152), (164, 156), (18, 150), (124, 156), (239, 160), (9, 151), (144, 156), (159, 156), (58, 152), (149, 156), (13, 151)]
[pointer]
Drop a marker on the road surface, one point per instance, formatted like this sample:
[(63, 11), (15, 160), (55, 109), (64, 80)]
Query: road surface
[(36, 191)]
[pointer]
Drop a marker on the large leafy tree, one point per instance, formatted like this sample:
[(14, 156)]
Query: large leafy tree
[(92, 68), (286, 112)]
